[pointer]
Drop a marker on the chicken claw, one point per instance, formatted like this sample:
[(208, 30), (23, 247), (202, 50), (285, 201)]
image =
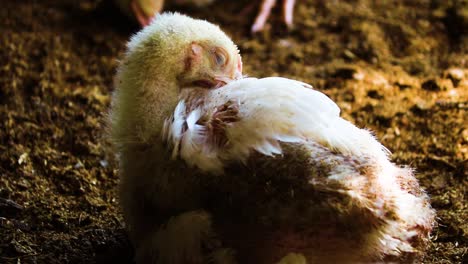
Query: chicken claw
[(265, 10)]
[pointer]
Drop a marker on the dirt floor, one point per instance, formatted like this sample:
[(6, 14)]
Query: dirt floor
[(398, 68)]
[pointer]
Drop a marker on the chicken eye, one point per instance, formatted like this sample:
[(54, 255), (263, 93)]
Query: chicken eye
[(220, 57)]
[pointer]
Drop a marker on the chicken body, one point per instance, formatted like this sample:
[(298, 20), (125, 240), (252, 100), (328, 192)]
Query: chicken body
[(298, 177), (255, 171)]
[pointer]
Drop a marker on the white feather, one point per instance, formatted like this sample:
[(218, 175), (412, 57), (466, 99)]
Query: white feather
[(286, 110), (194, 149), (176, 127), (271, 110)]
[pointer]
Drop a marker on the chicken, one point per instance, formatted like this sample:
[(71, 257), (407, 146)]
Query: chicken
[(144, 10), (217, 168)]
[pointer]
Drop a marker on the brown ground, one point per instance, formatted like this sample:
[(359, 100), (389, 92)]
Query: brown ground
[(398, 69)]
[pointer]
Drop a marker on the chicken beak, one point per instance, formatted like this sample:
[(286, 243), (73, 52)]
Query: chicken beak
[(223, 80), (237, 75)]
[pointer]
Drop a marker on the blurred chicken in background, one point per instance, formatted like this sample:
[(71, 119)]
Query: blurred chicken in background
[(144, 10)]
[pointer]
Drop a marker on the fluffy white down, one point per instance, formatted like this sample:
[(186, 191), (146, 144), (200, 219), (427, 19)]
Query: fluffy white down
[(271, 110)]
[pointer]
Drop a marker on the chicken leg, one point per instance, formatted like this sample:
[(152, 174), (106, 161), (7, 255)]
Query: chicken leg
[(265, 10), (145, 10)]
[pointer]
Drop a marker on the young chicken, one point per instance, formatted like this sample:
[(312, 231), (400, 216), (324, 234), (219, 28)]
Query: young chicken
[(216, 168), (144, 10)]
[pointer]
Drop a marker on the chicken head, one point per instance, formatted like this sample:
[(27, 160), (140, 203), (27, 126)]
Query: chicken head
[(166, 59), (210, 66)]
